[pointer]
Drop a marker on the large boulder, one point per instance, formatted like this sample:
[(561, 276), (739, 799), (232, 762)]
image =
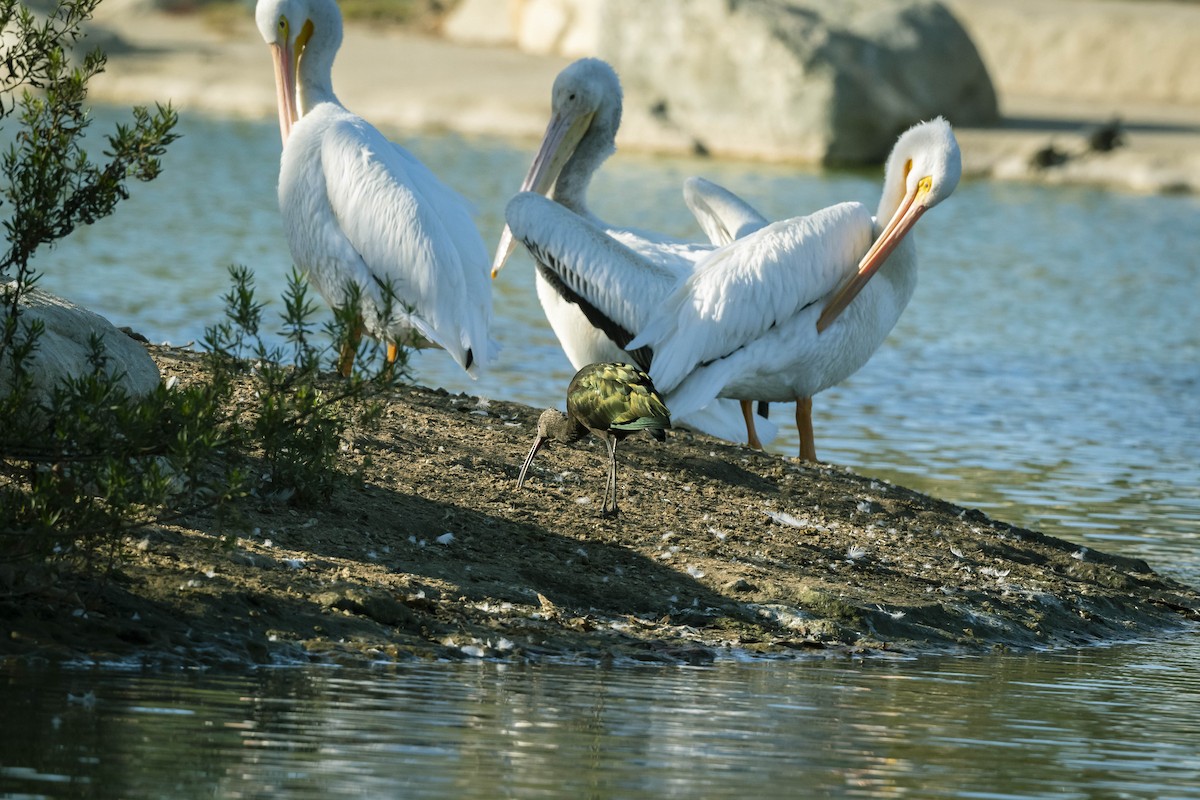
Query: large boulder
[(803, 80), (63, 349), (1110, 54), (544, 27)]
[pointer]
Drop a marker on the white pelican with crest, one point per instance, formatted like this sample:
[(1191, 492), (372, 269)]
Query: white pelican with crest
[(363, 216), (586, 105), (792, 309)]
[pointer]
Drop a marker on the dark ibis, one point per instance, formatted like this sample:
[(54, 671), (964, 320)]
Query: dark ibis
[(610, 401)]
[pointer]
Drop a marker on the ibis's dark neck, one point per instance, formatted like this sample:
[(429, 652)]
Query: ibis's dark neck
[(565, 428)]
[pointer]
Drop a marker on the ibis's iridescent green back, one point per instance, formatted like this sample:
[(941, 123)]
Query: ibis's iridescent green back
[(616, 397)]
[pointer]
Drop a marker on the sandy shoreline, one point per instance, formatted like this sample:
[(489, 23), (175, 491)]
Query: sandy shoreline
[(414, 83)]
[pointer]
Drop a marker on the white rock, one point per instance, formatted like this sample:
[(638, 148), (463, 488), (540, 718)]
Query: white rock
[(568, 28), (483, 22), (63, 348)]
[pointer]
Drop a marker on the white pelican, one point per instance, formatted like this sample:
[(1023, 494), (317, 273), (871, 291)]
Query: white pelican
[(362, 212), (586, 113), (791, 310)]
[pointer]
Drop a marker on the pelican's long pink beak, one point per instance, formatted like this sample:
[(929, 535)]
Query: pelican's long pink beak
[(558, 145), (911, 208), (285, 87)]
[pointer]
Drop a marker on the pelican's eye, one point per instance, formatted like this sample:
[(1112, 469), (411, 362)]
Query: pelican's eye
[(283, 27), (925, 185)]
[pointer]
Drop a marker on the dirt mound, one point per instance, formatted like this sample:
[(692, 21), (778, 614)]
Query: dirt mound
[(718, 550)]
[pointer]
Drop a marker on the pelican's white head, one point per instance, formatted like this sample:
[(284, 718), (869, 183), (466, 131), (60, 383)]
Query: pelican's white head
[(585, 106), (923, 168), (304, 35), (922, 171)]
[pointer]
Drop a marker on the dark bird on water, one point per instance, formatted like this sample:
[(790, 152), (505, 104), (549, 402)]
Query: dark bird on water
[(610, 401)]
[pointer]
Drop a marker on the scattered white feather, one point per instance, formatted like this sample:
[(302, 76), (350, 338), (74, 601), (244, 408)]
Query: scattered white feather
[(695, 572), (784, 518), (445, 538), (855, 552)]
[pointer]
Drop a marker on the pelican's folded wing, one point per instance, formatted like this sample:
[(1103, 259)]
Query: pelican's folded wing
[(751, 285), (612, 285), (415, 235)]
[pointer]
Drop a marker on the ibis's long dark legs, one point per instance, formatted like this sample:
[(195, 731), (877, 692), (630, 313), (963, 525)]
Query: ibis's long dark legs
[(610, 488), (808, 447)]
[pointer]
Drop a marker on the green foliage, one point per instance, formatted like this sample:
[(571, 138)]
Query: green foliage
[(291, 418), (87, 463), (51, 186), (91, 462)]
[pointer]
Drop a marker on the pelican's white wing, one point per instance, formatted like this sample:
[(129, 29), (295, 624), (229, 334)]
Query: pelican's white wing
[(751, 285), (617, 278), (413, 234), (722, 214), (613, 286)]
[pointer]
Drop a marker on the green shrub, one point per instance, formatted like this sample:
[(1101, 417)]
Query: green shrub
[(85, 466)]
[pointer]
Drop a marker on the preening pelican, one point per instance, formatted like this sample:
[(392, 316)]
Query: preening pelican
[(586, 113), (791, 310), (362, 212)]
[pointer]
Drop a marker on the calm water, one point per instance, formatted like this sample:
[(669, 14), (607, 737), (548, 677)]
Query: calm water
[(1102, 723), (1047, 371)]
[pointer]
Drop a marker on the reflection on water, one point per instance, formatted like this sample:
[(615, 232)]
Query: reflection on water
[(1046, 370), (1066, 725)]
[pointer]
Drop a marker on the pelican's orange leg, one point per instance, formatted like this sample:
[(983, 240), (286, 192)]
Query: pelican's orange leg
[(393, 351), (349, 349), (808, 448), (751, 432)]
